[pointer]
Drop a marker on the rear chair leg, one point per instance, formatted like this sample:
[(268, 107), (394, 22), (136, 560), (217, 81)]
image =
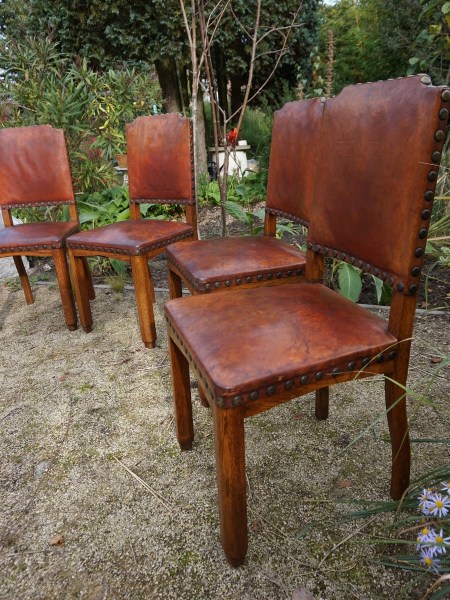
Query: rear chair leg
[(322, 403), (24, 281), (399, 431), (181, 396), (175, 287), (81, 289), (88, 279)]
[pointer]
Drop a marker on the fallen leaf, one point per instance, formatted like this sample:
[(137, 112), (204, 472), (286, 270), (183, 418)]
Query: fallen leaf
[(343, 483), (302, 594), (57, 540), (298, 415), (436, 359), (256, 526)]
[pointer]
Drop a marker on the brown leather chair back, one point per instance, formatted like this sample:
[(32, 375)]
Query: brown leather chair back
[(159, 167), (292, 168), (34, 168), (378, 172)]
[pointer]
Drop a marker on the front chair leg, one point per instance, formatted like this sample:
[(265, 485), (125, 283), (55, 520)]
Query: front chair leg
[(24, 281), (143, 287), (65, 288), (181, 396), (230, 464), (399, 431)]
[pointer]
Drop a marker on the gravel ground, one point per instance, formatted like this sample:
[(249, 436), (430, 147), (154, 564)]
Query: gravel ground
[(98, 502)]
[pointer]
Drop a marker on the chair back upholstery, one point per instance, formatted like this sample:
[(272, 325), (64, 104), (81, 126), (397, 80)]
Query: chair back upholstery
[(160, 160), (380, 150), (293, 159), (34, 167)]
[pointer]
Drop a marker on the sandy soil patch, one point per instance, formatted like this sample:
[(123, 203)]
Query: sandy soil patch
[(75, 409)]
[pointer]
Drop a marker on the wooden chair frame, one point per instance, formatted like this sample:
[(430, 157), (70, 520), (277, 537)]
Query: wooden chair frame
[(388, 343)]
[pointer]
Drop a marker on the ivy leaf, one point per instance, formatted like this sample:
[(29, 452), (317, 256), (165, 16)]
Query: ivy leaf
[(446, 8)]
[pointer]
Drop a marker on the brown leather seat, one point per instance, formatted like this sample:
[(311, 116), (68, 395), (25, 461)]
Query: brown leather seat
[(34, 171), (378, 152), (238, 262), (160, 170)]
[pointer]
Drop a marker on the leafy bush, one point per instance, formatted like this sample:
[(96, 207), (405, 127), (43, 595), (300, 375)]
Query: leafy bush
[(40, 84)]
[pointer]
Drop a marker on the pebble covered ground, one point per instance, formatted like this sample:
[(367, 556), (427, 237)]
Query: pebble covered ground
[(98, 502)]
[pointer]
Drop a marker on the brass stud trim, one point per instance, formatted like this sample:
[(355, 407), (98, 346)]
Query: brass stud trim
[(413, 288), (319, 375), (425, 79), (254, 395), (445, 96), (289, 384), (415, 271), (443, 114), (392, 354), (304, 379), (418, 253), (436, 156), (351, 365), (271, 390), (426, 214), (400, 287), (423, 233), (439, 135), (432, 176)]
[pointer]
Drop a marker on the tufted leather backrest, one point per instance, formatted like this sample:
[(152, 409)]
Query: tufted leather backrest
[(160, 160), (380, 150), (34, 167), (293, 159)]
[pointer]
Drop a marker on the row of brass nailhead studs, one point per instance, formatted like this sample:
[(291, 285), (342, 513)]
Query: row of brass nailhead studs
[(281, 213), (35, 247), (432, 177), (289, 384), (29, 204), (121, 251), (362, 265), (162, 201), (249, 279)]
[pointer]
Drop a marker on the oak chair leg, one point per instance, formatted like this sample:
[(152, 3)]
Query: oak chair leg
[(175, 286), (24, 281), (322, 403), (88, 279), (143, 287), (231, 483), (65, 288), (399, 431), (81, 291), (181, 396)]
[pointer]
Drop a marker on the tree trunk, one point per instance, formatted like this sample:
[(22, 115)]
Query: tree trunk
[(201, 136), (168, 81), (237, 81)]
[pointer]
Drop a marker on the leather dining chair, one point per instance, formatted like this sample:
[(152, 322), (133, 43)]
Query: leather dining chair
[(378, 152), (160, 171), (231, 263), (35, 172)]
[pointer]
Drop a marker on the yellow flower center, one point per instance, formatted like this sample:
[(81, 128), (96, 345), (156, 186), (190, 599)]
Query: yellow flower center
[(428, 561), (439, 539), (425, 531), (439, 504)]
